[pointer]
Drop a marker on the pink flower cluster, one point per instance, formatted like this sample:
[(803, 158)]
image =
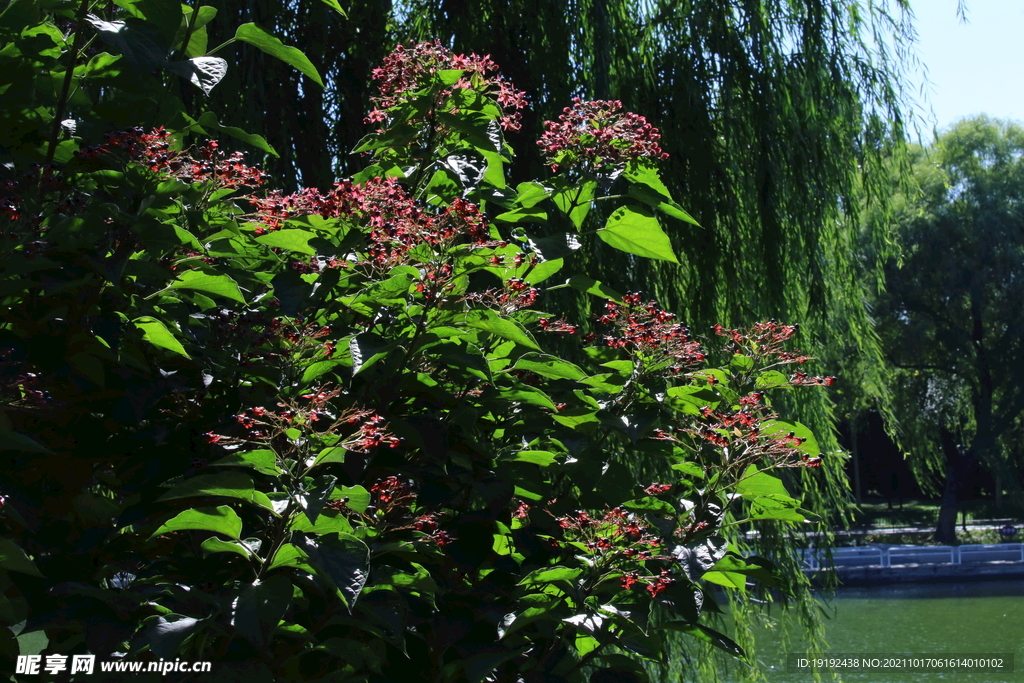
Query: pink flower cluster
[(410, 68), (207, 163), (598, 135), (397, 223)]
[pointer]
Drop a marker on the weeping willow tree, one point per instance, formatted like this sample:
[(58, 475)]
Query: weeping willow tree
[(783, 119)]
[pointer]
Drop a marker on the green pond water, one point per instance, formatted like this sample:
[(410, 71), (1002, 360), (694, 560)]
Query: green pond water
[(949, 619)]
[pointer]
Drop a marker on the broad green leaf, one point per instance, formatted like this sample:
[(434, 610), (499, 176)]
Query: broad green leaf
[(542, 458), (528, 395), (335, 454), (342, 559), (221, 519), (778, 507), (318, 368), (216, 545), (530, 194), (157, 334), (635, 230), (551, 575), (334, 5), (209, 120), (644, 176), (771, 378), (290, 556), (542, 271), (448, 77), (690, 468), (533, 214), (754, 483), (203, 72), (652, 198), (218, 285), (548, 366), (14, 559), (505, 328), (575, 202), (476, 135), (263, 461), (650, 504), (13, 441), (254, 35), (808, 446), (708, 635), (358, 497), (292, 240), (366, 349), (533, 606), (229, 484), (741, 362), (590, 286)]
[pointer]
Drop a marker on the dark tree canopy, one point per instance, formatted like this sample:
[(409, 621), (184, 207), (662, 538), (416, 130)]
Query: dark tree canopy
[(951, 317)]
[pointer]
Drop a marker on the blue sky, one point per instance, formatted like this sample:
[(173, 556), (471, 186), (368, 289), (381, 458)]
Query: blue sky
[(974, 68)]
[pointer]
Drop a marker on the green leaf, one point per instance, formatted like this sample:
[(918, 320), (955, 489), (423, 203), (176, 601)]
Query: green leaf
[(157, 334), (474, 135), (741, 362), (254, 35), (505, 328), (333, 4), (202, 72), (218, 285), (221, 519), (209, 120), (575, 201), (542, 271), (533, 214), (808, 446), (165, 15), (590, 286), (341, 559), (292, 240), (528, 395), (229, 484), (652, 198), (14, 559), (366, 349), (216, 545), (13, 441), (636, 231), (533, 606), (708, 635), (358, 497), (650, 504), (263, 461), (754, 483), (290, 556), (319, 368), (644, 176), (335, 454), (771, 378), (257, 610), (551, 575), (548, 366), (690, 468), (542, 458), (531, 194)]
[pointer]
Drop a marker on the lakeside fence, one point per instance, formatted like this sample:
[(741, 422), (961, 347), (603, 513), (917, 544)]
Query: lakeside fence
[(899, 555)]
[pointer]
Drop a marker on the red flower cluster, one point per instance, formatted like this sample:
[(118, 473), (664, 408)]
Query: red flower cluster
[(597, 136), (371, 435), (765, 339), (650, 330), (660, 583), (153, 149), (408, 69), (397, 224)]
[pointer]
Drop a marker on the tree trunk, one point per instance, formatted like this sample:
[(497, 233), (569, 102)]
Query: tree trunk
[(945, 529)]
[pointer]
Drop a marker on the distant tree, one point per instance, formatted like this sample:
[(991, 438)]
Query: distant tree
[(952, 319)]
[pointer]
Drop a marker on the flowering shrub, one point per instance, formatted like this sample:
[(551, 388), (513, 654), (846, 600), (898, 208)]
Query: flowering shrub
[(319, 437), (595, 136)]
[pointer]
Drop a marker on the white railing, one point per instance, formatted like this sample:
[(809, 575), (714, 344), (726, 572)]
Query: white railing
[(898, 555)]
